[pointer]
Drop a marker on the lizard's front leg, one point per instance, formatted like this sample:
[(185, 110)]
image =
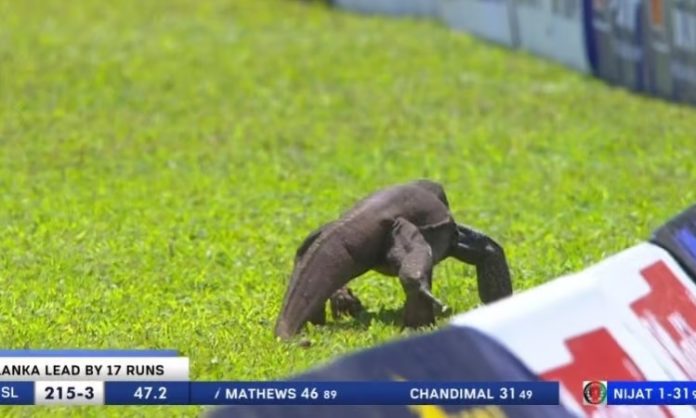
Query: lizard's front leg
[(418, 309), (411, 256)]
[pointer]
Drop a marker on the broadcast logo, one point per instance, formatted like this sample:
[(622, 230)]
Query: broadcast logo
[(594, 392)]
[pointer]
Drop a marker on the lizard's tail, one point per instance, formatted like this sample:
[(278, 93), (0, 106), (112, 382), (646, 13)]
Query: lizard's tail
[(292, 314), (313, 281), (305, 300), (283, 330)]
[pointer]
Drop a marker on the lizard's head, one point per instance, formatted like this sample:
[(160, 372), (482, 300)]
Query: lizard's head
[(434, 188)]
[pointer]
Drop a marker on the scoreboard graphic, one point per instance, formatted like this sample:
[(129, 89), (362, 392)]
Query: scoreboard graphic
[(156, 377), (92, 377)]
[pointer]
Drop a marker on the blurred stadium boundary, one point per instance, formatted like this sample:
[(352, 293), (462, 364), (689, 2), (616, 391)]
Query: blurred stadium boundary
[(647, 46)]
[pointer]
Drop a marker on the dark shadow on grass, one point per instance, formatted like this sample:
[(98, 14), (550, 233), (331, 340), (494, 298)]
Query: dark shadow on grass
[(387, 316)]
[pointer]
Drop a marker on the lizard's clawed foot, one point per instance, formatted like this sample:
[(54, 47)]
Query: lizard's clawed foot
[(344, 302)]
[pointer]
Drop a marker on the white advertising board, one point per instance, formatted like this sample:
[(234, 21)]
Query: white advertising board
[(489, 19), (390, 7), (553, 29)]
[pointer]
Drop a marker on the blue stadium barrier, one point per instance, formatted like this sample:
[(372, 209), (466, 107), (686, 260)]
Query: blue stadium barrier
[(600, 41), (627, 32), (681, 15), (656, 30)]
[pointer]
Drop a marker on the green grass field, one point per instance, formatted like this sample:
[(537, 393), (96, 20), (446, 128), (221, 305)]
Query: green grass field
[(160, 161)]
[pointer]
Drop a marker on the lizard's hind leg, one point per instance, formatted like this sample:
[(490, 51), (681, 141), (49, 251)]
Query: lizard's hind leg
[(492, 272), (344, 302)]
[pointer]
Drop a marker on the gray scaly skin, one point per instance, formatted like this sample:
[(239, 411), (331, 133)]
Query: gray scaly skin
[(403, 231)]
